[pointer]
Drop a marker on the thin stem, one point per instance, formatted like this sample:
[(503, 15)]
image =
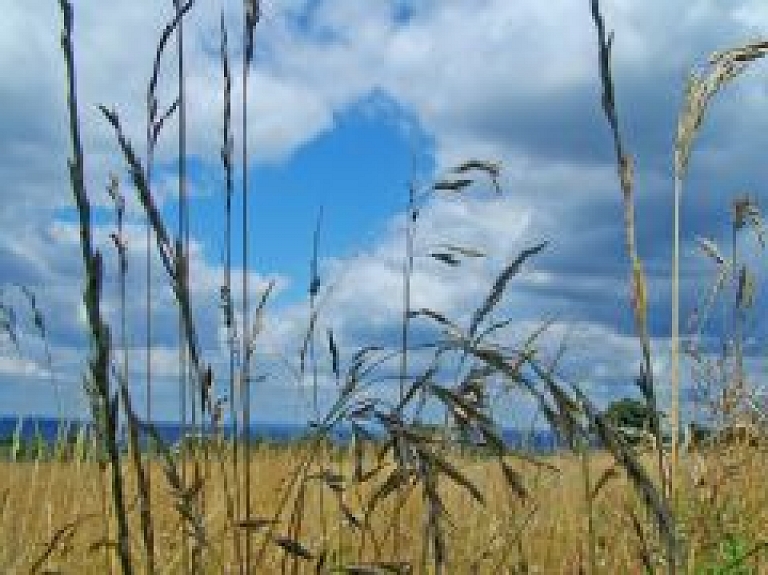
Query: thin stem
[(405, 325), (227, 301), (407, 273), (675, 362), (148, 334), (182, 255), (246, 381), (591, 535), (133, 429), (738, 322)]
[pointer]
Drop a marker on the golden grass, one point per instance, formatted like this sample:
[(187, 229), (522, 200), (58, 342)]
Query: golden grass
[(58, 507)]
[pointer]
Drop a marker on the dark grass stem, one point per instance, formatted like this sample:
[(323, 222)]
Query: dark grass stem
[(148, 305), (181, 183), (151, 112), (233, 501), (186, 391), (314, 290), (145, 513), (589, 506), (251, 17), (92, 260), (410, 222)]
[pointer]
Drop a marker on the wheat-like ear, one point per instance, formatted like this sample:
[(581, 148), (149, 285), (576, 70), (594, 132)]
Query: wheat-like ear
[(724, 67), (500, 284)]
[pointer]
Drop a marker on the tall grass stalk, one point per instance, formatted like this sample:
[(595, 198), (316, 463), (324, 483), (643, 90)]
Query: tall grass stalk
[(182, 252), (410, 220), (245, 375), (314, 289), (150, 153), (92, 260), (675, 336), (145, 513), (738, 308), (227, 149), (639, 290), (252, 14)]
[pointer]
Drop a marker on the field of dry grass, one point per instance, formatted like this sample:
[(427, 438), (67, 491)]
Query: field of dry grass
[(53, 520)]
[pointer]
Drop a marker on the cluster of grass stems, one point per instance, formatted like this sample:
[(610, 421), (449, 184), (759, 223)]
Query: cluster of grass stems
[(402, 500)]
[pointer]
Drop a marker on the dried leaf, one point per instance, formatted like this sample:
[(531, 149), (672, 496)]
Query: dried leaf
[(639, 291), (206, 385), (8, 324), (710, 248), (397, 479), (745, 295), (334, 481), (607, 475), (378, 568), (645, 553), (492, 168), (349, 516), (446, 258), (255, 524), (438, 317), (462, 250), (451, 185), (447, 469), (514, 480), (293, 547), (334, 351)]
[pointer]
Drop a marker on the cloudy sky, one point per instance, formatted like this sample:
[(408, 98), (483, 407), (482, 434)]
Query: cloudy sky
[(350, 101)]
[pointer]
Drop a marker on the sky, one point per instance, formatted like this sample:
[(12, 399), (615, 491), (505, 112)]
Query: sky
[(350, 103)]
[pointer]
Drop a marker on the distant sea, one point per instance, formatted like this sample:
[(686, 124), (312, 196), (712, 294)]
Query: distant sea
[(537, 441)]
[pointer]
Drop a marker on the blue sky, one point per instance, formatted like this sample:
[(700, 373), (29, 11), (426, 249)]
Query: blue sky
[(352, 179), (351, 101)]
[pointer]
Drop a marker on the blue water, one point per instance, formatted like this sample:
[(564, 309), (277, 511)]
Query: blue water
[(537, 441)]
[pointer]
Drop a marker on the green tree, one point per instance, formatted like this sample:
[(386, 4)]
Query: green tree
[(629, 413)]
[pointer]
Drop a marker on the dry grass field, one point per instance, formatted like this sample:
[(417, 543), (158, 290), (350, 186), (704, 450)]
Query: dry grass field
[(53, 519)]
